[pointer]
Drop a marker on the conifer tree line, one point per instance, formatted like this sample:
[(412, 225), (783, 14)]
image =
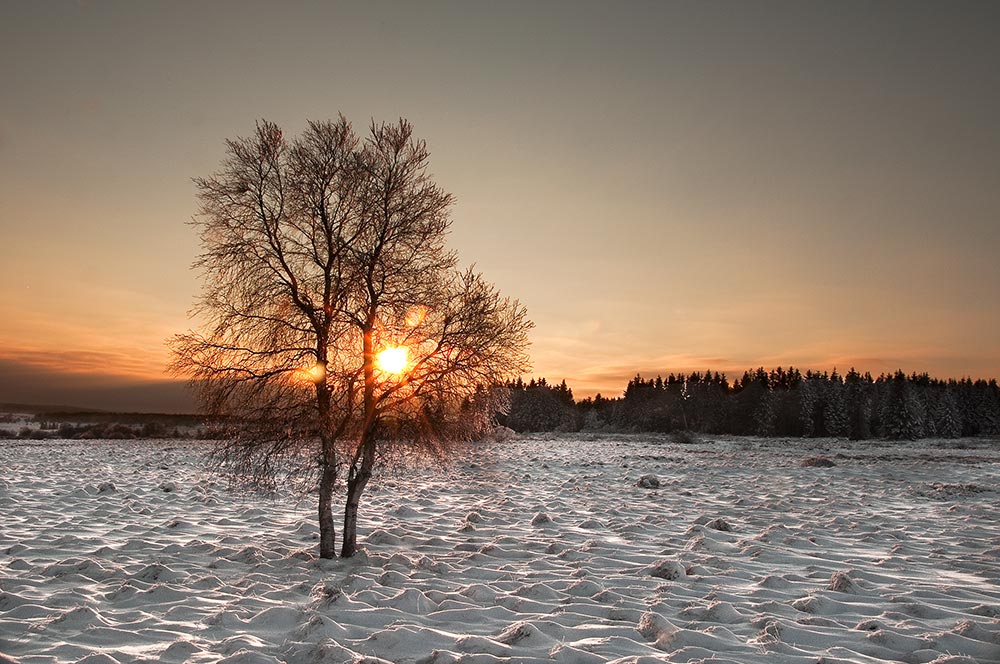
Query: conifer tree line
[(780, 402)]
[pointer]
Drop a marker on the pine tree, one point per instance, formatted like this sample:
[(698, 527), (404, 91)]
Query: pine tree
[(902, 413), (989, 407), (858, 405), (807, 405), (947, 420), (764, 416), (835, 415)]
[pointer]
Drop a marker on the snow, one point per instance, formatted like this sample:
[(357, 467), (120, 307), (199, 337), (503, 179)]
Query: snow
[(537, 549)]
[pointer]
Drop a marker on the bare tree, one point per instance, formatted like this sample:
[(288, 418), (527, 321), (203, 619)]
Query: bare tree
[(338, 332)]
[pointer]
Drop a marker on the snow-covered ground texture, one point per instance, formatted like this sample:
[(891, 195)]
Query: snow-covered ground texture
[(536, 550)]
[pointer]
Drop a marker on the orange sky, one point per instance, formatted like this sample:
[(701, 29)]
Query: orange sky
[(665, 186)]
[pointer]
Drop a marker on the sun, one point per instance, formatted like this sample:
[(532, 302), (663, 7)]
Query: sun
[(393, 360)]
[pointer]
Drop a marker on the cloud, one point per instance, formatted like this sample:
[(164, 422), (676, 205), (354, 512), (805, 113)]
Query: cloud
[(34, 383), (120, 363)]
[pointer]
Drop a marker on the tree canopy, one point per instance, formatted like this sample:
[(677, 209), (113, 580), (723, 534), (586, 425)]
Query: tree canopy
[(321, 257)]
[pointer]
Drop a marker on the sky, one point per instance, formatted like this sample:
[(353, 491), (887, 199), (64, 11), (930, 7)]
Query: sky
[(667, 186)]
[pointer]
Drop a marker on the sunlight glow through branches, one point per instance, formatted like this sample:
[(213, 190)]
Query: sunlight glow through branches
[(394, 360)]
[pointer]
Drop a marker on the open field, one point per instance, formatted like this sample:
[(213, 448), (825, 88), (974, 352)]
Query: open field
[(540, 549)]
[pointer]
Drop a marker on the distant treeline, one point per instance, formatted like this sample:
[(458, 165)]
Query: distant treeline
[(108, 426), (103, 417), (779, 402)]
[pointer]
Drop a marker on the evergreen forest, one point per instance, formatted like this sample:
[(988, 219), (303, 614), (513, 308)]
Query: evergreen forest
[(780, 402)]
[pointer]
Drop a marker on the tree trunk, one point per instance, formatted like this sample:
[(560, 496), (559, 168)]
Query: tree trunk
[(327, 525), (355, 487), (361, 468), (328, 461)]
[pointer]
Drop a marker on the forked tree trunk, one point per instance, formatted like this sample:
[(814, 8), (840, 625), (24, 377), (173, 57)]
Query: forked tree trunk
[(361, 469), (355, 487), (327, 525)]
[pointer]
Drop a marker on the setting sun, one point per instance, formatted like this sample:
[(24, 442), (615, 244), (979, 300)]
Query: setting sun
[(393, 360)]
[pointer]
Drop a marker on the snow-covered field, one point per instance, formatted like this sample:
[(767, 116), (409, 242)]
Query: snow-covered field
[(541, 549)]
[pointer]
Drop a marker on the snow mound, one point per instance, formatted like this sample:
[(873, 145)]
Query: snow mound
[(842, 582), (667, 569), (817, 462), (540, 519), (719, 524), (648, 481)]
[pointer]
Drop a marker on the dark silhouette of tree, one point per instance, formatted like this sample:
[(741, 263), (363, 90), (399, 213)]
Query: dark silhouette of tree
[(902, 414), (707, 403), (595, 412), (988, 406), (319, 255), (538, 406), (858, 398), (809, 401), (947, 419), (754, 410), (835, 412), (968, 408)]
